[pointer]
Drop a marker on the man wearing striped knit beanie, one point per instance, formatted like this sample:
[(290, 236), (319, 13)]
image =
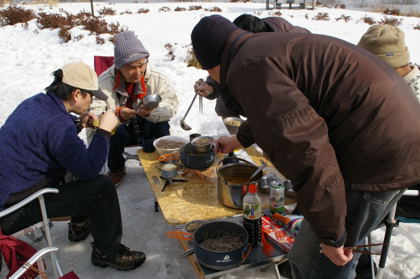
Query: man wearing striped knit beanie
[(126, 83)]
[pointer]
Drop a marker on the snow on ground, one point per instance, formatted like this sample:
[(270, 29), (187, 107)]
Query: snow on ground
[(29, 55)]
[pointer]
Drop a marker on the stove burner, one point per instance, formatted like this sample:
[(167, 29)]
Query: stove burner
[(169, 181)]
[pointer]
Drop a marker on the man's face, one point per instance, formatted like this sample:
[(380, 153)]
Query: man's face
[(83, 102), (132, 72)]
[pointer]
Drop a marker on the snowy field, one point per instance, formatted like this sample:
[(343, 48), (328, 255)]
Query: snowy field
[(28, 56)]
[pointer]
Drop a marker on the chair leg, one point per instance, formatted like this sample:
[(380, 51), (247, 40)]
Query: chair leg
[(391, 222), (46, 225)]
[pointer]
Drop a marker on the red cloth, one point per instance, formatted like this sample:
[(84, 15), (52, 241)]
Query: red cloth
[(70, 275), (16, 252)]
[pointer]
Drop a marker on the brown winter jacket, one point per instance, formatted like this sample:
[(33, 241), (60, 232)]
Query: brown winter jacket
[(330, 116), (279, 24)]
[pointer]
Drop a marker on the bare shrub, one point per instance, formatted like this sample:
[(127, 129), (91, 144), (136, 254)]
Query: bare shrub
[(343, 17), (83, 14), (169, 47), (417, 27), (165, 9), (53, 21), (214, 9), (369, 20), (194, 8), (394, 12), (107, 11), (14, 14), (142, 11), (180, 9), (64, 34), (78, 37), (127, 12), (322, 16), (191, 60), (5, 2), (391, 21), (99, 40), (277, 13)]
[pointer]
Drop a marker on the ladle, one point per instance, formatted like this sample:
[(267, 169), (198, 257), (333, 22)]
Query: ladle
[(184, 125), (260, 168)]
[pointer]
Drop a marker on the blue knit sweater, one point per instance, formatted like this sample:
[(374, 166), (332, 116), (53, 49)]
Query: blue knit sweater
[(39, 140)]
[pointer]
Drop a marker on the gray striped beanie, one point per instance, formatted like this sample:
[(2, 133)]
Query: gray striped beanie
[(128, 49)]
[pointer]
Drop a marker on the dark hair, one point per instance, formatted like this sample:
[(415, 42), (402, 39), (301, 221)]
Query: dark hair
[(251, 23), (62, 90)]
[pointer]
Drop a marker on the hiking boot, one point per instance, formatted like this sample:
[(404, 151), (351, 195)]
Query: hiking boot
[(124, 259), (117, 176), (78, 231)]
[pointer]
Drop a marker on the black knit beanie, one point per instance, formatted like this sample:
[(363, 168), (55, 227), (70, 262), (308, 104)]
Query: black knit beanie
[(208, 39)]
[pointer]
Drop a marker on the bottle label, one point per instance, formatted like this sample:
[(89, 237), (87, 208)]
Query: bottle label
[(252, 211)]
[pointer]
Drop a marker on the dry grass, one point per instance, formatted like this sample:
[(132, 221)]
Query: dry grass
[(214, 9), (180, 9), (368, 20), (394, 12), (391, 21), (143, 11), (322, 16), (191, 60), (194, 8), (165, 9), (14, 14), (169, 47), (107, 11), (5, 2), (343, 17)]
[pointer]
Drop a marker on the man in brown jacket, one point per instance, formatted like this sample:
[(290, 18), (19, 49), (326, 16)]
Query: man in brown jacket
[(336, 120)]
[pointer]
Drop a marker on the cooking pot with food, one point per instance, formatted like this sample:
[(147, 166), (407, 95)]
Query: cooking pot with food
[(221, 245), (230, 180), (192, 159)]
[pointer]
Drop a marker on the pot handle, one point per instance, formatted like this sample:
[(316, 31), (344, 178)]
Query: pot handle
[(246, 252), (187, 253), (240, 159)]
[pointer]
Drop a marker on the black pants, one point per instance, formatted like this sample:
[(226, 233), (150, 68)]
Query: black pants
[(96, 199), (138, 131)]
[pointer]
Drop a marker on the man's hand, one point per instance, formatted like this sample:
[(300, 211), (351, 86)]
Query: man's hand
[(108, 121), (143, 112), (126, 113), (339, 256), (226, 144), (202, 88), (88, 119)]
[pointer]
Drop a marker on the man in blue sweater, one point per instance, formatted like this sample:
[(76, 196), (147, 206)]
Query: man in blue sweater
[(40, 143)]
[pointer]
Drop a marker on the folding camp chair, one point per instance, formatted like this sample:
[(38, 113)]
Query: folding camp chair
[(390, 223), (40, 196)]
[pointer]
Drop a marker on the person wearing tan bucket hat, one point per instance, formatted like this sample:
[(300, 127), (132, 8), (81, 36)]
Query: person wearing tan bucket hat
[(40, 144), (388, 43)]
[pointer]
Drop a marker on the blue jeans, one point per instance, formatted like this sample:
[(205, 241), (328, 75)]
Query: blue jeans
[(138, 131), (365, 211)]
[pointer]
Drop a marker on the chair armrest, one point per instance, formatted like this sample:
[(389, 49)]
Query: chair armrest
[(33, 260), (27, 200)]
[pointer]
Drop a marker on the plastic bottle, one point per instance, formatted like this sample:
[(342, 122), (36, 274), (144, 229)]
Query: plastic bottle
[(252, 212)]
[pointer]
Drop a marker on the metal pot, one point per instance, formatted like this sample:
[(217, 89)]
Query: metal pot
[(203, 144), (230, 179), (220, 260), (196, 161)]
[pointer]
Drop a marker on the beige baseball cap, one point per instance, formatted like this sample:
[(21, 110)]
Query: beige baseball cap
[(80, 75)]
